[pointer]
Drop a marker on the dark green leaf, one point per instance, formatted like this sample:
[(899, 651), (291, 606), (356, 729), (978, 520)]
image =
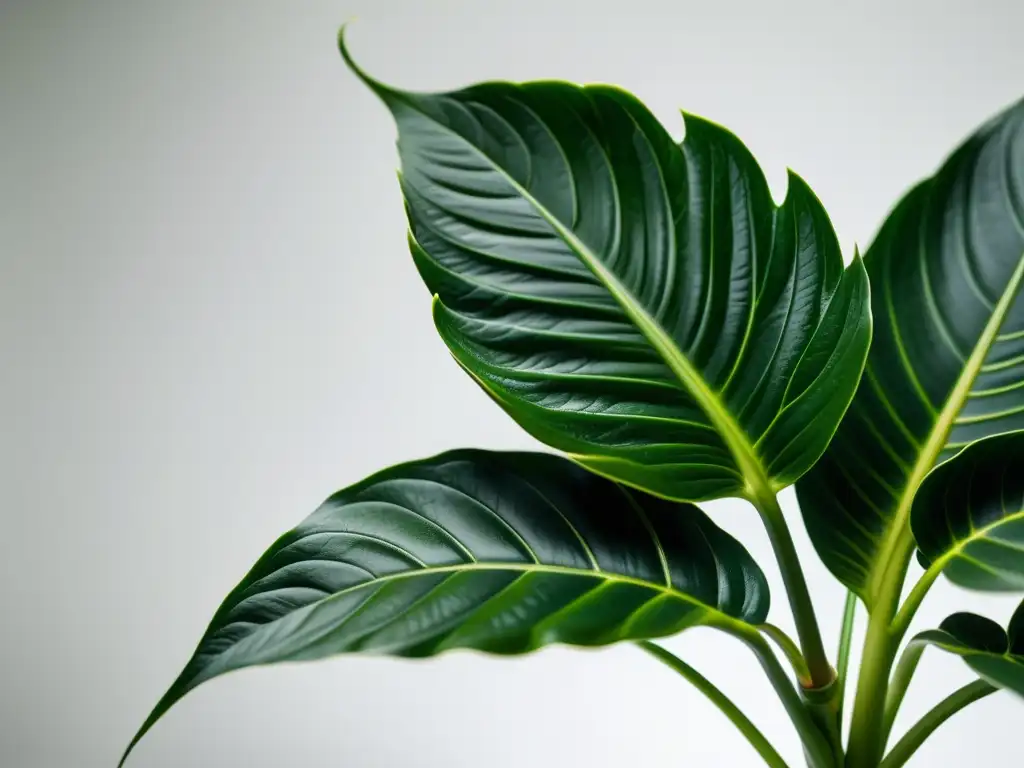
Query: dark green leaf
[(640, 305), (997, 656), (499, 552), (968, 516), (946, 366)]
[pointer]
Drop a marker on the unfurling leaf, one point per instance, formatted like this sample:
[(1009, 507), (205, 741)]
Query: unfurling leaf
[(641, 305), (499, 552), (946, 366)]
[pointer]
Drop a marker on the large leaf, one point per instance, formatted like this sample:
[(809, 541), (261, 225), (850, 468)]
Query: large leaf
[(994, 654), (643, 306), (968, 516), (500, 552), (946, 366)]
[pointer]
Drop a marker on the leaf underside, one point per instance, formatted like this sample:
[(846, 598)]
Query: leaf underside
[(946, 366), (643, 306), (995, 654), (968, 516), (498, 552)]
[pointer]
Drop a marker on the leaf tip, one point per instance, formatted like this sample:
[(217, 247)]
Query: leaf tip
[(857, 263), (797, 191), (342, 46), (132, 744), (794, 179), (168, 700), (374, 85)]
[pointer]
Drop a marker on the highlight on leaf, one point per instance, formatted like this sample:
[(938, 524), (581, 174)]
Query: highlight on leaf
[(498, 552), (968, 516), (639, 304), (644, 306), (946, 366)]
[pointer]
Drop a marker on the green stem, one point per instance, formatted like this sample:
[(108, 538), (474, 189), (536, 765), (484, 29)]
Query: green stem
[(821, 672), (866, 727), (724, 703), (823, 707), (908, 662), (899, 684), (906, 614), (880, 646), (942, 711), (816, 747), (790, 650), (845, 644)]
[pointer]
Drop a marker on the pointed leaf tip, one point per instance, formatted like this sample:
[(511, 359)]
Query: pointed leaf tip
[(374, 85), (159, 711), (648, 567), (346, 54)]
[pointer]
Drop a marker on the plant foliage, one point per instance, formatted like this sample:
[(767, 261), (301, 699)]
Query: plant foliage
[(642, 306)]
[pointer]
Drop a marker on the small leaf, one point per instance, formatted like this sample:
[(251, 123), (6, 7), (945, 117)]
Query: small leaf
[(499, 552), (997, 656), (968, 516), (640, 305), (946, 366)]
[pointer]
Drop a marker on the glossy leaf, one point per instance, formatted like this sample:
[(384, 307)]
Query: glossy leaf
[(995, 654), (641, 305), (968, 516), (946, 366), (499, 552)]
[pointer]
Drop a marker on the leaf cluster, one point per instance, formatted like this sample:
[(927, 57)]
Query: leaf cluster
[(644, 308)]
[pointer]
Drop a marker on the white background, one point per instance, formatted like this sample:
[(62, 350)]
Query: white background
[(209, 321)]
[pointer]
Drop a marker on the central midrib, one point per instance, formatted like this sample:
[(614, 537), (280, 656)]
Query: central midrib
[(523, 567), (960, 545), (713, 614), (742, 449), (899, 529), (958, 647)]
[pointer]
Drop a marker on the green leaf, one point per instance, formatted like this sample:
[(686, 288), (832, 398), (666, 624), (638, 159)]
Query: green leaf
[(643, 306), (968, 516), (997, 656), (499, 552), (946, 365)]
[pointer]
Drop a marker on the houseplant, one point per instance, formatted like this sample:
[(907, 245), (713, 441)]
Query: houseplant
[(645, 309)]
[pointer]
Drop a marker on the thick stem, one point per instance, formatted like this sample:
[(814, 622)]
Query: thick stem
[(818, 666), (942, 711), (757, 739), (867, 731), (823, 706)]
